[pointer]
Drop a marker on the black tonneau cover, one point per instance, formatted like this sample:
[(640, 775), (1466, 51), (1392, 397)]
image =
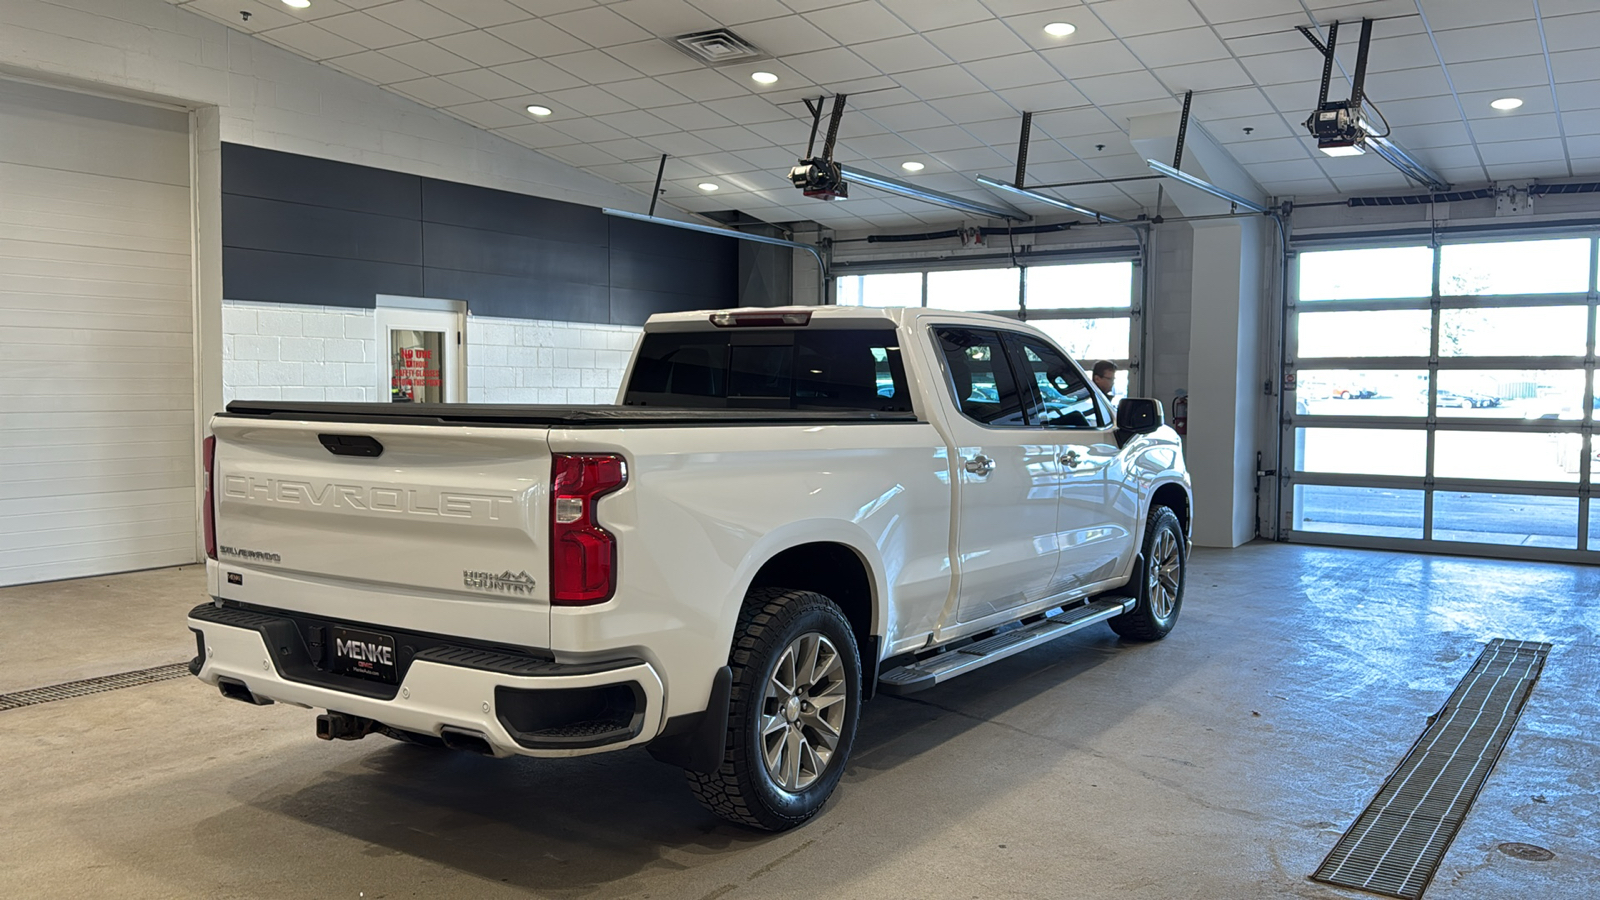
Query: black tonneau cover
[(512, 415)]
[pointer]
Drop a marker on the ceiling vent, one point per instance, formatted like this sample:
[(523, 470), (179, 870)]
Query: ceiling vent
[(718, 47)]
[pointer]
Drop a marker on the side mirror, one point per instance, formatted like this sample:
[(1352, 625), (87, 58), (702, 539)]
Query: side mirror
[(1139, 415)]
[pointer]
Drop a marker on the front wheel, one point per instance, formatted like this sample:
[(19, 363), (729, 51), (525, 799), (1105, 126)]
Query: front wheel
[(1160, 579), (792, 717)]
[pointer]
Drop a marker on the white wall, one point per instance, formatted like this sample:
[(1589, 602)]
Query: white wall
[(533, 361), (269, 97), (285, 351)]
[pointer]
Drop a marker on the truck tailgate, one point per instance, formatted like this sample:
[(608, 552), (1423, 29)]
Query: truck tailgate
[(442, 512)]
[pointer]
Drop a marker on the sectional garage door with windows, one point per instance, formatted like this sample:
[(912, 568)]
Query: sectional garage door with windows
[(1444, 396), (96, 336)]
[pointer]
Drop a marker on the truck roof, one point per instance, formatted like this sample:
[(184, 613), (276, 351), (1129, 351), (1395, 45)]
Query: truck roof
[(899, 315)]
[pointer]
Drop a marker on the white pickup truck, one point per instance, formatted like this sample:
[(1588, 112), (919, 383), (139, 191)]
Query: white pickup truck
[(786, 511)]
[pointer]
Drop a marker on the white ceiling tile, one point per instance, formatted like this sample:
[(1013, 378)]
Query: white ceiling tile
[(771, 158), (1394, 14), (703, 84), (626, 172), (646, 93), (1576, 32), (1125, 87), (1176, 48), (365, 30), (481, 47), (923, 15), (1004, 8), (320, 10), (654, 57), (1122, 112), (1237, 10), (1216, 75), (486, 114), (1443, 158), (1447, 14), (831, 66), (434, 92), (1284, 41), (1089, 29), (537, 135), (945, 81), (737, 12), (1287, 67), (735, 138), (786, 36), (1271, 150), (788, 79), (680, 144), (586, 100), (428, 58), (1230, 104), (484, 13), (486, 84), (1576, 95), (1520, 128), (692, 117), (856, 23), (998, 132), (747, 110), (377, 68), (1528, 170), (581, 155), (980, 107), (977, 40), (1496, 74), (723, 165), (1017, 70), (420, 19), (665, 18), (1132, 17), (791, 135), (1087, 60), (1367, 184), (1406, 83), (538, 75), (588, 130), (599, 27), (594, 67), (539, 38), (940, 140), (908, 116), (1067, 124), (1261, 128), (1486, 42), (973, 158), (902, 54), (1585, 145), (1575, 65), (636, 123), (1289, 170), (883, 146), (1534, 100), (1038, 98), (1542, 150), (312, 42), (1423, 137)]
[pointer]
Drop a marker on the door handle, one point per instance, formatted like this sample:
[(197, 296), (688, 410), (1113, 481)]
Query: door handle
[(980, 465), (1070, 459)]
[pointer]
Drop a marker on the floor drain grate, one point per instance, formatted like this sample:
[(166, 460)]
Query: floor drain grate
[(88, 686), (1396, 844)]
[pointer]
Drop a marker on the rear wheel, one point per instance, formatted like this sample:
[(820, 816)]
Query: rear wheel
[(792, 718), (1160, 579)]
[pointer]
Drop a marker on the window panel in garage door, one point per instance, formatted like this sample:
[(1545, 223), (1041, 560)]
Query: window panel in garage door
[(97, 468), (1471, 427)]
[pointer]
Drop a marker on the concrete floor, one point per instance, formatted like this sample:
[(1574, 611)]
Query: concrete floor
[(1222, 762)]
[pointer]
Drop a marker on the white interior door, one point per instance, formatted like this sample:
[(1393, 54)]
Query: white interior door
[(422, 351), (97, 426)]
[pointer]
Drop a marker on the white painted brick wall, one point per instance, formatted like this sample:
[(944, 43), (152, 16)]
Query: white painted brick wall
[(280, 351), (538, 361)]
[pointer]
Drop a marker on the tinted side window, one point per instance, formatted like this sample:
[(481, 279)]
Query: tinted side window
[(765, 369), (1056, 394), (981, 381)]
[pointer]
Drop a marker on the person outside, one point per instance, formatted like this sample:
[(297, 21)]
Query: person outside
[(1105, 374)]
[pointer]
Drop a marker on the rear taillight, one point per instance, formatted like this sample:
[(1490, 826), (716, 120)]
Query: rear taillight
[(583, 556), (208, 454)]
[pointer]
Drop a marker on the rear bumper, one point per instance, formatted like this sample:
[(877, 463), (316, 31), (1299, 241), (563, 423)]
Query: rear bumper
[(519, 705)]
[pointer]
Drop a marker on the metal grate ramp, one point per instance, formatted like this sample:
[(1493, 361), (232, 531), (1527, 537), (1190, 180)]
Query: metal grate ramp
[(88, 686), (1396, 844)]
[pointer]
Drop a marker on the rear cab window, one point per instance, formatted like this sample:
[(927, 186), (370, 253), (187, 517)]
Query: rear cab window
[(809, 368)]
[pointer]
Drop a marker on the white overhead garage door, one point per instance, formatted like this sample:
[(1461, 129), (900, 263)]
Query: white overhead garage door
[(96, 337)]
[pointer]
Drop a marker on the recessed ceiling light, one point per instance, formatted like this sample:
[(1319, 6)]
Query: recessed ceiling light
[(539, 110), (1060, 29), (912, 166), (707, 186), (764, 78), (1506, 103), (297, 4)]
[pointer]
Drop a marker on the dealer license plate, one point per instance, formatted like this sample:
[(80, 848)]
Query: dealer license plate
[(364, 654)]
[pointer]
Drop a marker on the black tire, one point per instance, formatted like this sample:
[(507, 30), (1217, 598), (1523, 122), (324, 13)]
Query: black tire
[(1160, 578), (743, 789)]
